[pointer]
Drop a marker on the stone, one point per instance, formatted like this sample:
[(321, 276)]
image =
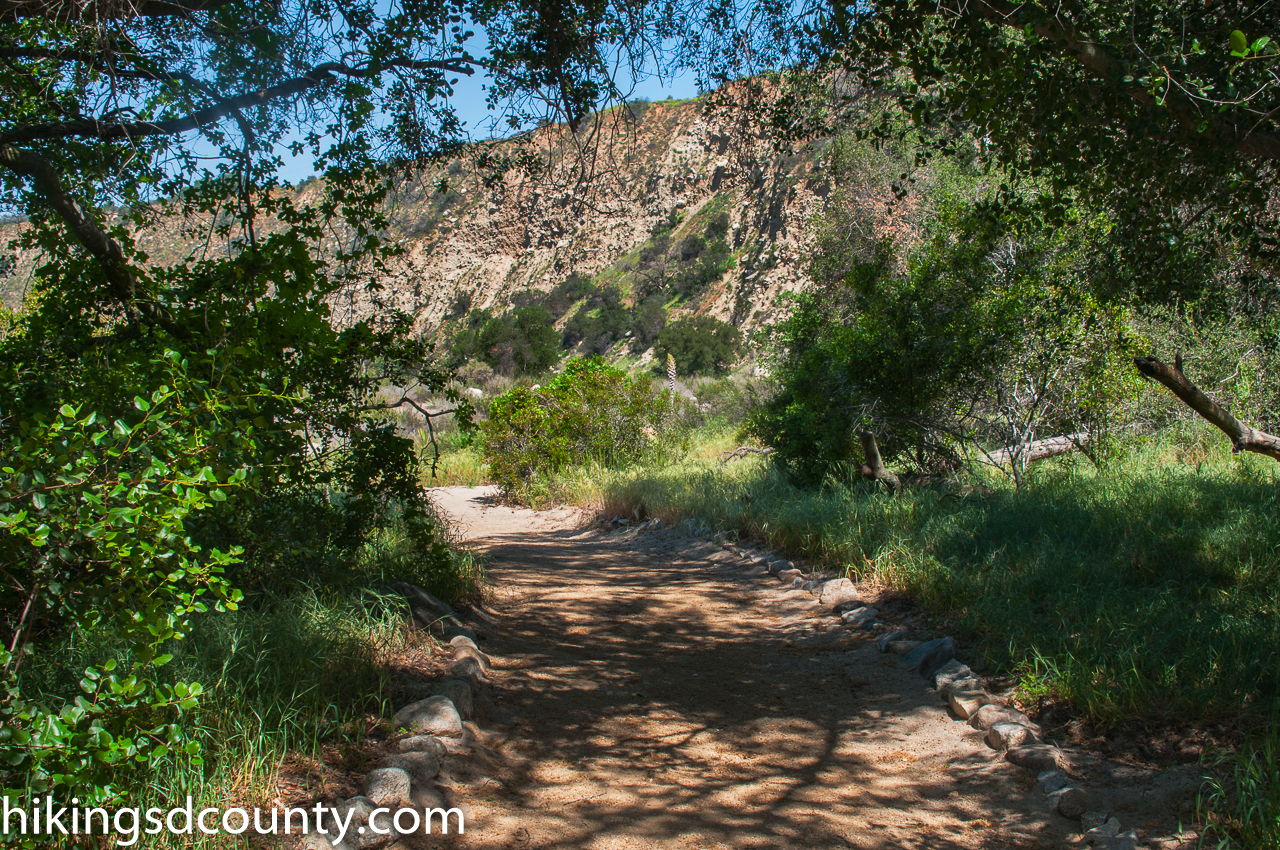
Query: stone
[(950, 672), (785, 576), (387, 786), (837, 591), (966, 696), (930, 656), (848, 605), (1003, 736), (858, 616), (799, 582), (901, 647), (883, 643), (1036, 757), (459, 693), (877, 626), (1092, 820), (433, 716), (1103, 831), (423, 744), (359, 810), (469, 669), (991, 714), (427, 611), (461, 652), (1051, 780), (811, 586), (775, 567), (421, 767), (1072, 801)]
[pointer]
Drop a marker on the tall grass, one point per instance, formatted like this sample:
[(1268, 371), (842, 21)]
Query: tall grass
[(1146, 589), (1242, 809)]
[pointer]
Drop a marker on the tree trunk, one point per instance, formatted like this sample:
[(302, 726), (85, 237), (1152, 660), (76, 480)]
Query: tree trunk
[(1243, 438), (1041, 449), (874, 467)]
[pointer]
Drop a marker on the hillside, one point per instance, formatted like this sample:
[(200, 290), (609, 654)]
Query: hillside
[(592, 211)]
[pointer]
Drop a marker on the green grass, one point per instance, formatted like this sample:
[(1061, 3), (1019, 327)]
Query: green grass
[(1147, 590), (1242, 808)]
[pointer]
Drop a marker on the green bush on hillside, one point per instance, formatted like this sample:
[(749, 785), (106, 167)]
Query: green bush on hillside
[(521, 342), (592, 413), (701, 345)]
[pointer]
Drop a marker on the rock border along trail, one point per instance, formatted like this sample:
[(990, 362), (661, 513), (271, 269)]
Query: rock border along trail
[(644, 688)]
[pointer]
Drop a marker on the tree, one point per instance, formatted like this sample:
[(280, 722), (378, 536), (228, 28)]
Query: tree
[(699, 344)]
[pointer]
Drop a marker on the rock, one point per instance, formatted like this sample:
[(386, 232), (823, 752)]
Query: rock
[(1003, 736), (428, 797), (848, 605), (427, 611), (991, 714), (950, 672), (785, 576), (469, 669), (858, 617), (433, 716), (1092, 820), (883, 643), (901, 647), (1051, 780), (421, 767), (877, 626), (473, 392), (837, 591), (423, 744), (1103, 831), (461, 652), (799, 582), (1073, 801), (929, 657), (1036, 757), (966, 696), (458, 641), (814, 587), (775, 567), (387, 786), (359, 835), (459, 693)]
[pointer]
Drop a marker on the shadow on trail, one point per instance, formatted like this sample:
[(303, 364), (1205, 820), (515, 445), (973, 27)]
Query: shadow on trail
[(659, 705)]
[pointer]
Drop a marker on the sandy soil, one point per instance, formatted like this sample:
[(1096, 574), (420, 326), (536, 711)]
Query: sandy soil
[(647, 697)]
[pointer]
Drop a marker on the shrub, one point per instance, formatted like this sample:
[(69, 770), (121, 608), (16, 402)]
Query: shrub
[(521, 342), (591, 413), (700, 345)]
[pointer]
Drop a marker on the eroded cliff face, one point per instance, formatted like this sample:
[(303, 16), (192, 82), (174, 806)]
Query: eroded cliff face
[(594, 208), (591, 209)]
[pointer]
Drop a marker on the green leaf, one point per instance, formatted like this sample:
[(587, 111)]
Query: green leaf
[(1239, 44)]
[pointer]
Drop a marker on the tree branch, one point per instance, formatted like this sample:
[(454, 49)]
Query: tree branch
[(48, 184), (1098, 62), (874, 468), (108, 131), (1243, 438), (97, 11)]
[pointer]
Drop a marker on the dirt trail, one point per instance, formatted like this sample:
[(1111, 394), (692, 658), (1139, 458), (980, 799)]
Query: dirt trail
[(655, 699)]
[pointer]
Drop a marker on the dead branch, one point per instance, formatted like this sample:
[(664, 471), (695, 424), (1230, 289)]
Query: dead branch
[(874, 468), (1040, 449), (1243, 438), (741, 452)]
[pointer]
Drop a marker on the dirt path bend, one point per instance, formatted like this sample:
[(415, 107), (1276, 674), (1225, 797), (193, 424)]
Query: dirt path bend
[(653, 698)]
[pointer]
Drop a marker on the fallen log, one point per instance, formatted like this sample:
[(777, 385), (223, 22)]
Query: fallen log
[(1243, 438), (743, 451), (1040, 449)]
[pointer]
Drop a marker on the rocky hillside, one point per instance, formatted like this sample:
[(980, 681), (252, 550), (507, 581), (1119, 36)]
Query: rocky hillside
[(666, 168)]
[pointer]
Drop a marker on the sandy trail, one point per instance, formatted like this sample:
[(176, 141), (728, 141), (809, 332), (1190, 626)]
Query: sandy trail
[(645, 697)]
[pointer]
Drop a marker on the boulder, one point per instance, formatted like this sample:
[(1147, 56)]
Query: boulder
[(459, 693), (1036, 757), (420, 767), (950, 672), (858, 617), (837, 591), (432, 716), (1092, 820), (883, 643), (1051, 780), (1003, 736), (966, 696), (1103, 832), (991, 714), (423, 744), (387, 786), (929, 657), (1073, 801)]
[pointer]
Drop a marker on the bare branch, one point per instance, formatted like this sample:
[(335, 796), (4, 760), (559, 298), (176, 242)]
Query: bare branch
[(1243, 438), (96, 11), (108, 131)]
